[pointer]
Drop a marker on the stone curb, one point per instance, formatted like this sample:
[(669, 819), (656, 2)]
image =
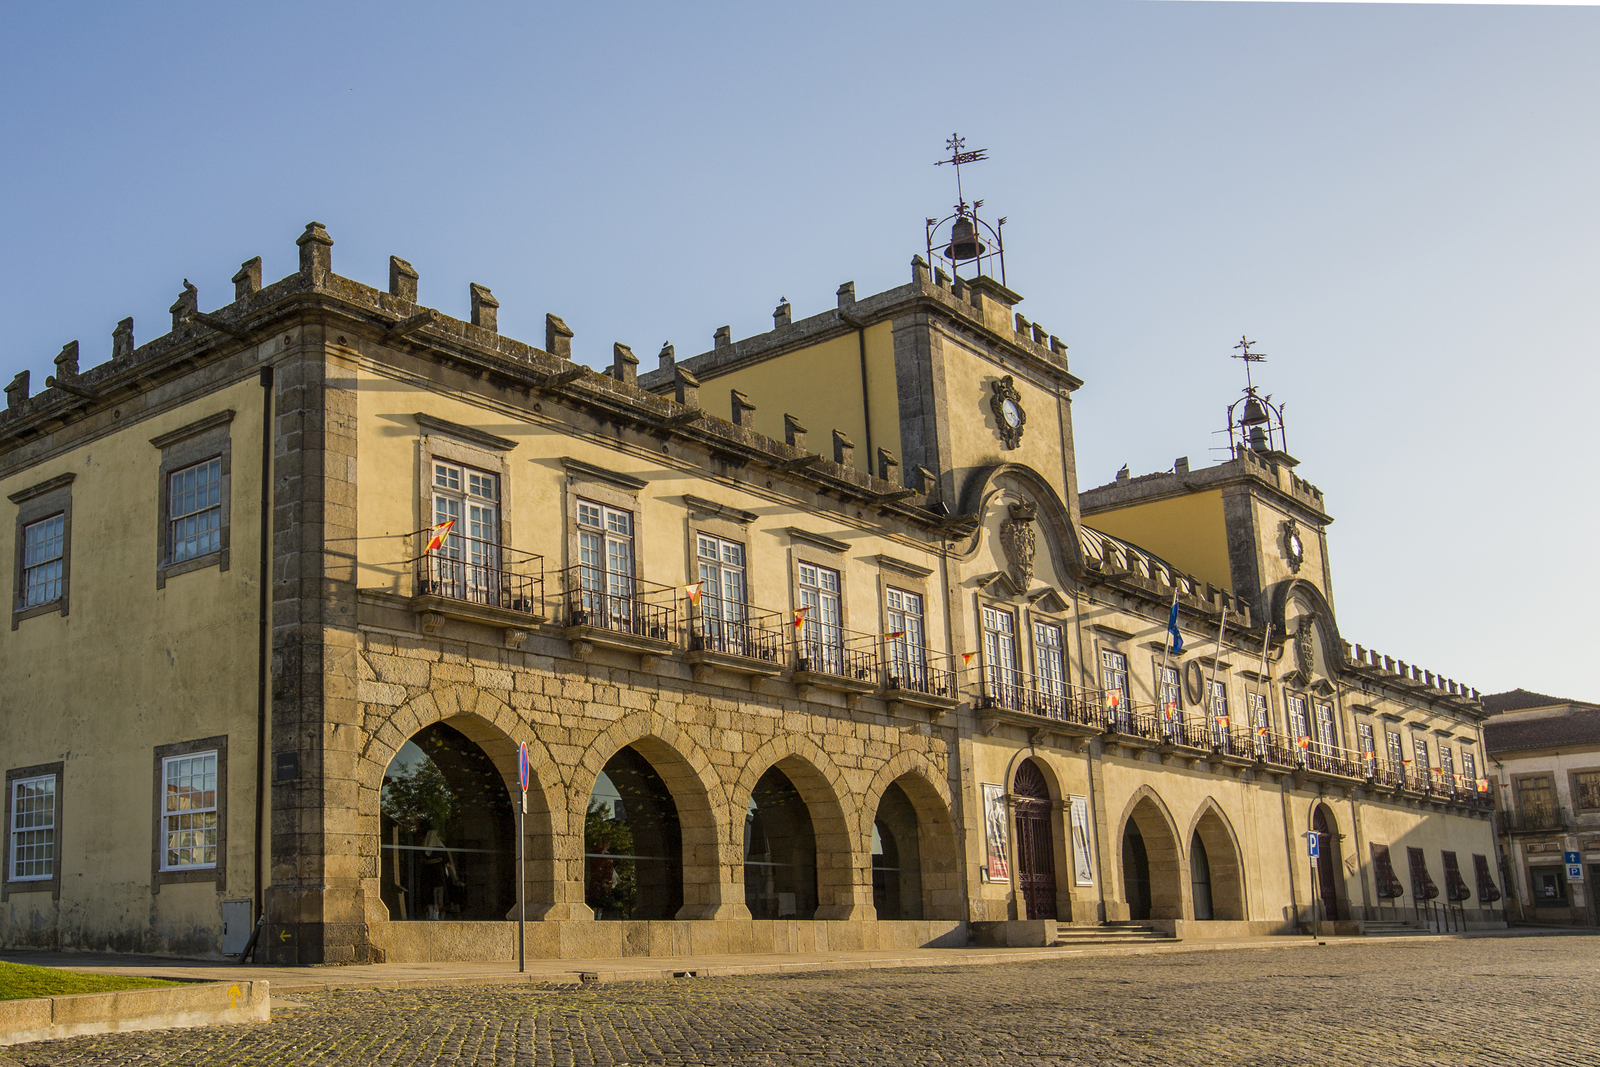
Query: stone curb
[(196, 1004)]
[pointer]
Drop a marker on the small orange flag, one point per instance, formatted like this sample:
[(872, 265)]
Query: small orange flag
[(693, 591), (894, 635), (1304, 742), (800, 616), (1261, 731), (440, 532), (966, 658)]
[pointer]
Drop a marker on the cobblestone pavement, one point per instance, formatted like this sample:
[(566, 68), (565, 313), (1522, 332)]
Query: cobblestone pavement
[(1400, 1002)]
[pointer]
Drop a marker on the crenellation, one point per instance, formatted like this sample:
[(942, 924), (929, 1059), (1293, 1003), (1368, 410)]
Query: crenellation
[(185, 306), (624, 364), (485, 308), (402, 280), (247, 280)]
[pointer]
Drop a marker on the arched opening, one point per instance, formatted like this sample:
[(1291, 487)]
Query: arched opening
[(1199, 877), (448, 831), (1213, 845), (1036, 850), (1151, 865), (1135, 872), (633, 843), (896, 857), (780, 851), (1327, 831)]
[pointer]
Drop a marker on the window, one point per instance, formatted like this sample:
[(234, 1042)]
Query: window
[(1469, 769), (1327, 733), (1397, 749), (823, 632), (1585, 788), (33, 828), (1455, 886), (1549, 886), (1299, 726), (1447, 767), (1388, 885), (1217, 711), (1171, 695), (908, 656), (1423, 767), (466, 566), (1260, 719), (1050, 664), (720, 569), (1003, 680), (1114, 680), (605, 563), (195, 482), (44, 549), (191, 809), (1536, 800), (1369, 749)]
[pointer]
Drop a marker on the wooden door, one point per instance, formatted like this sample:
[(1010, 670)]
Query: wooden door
[(1327, 867), (1036, 854)]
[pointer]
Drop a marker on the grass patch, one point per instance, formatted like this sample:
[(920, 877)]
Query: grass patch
[(19, 981)]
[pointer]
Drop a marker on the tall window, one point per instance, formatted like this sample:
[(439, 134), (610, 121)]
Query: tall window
[(1447, 766), (1000, 656), (43, 553), (1585, 787), (1397, 749), (1369, 751), (605, 562), (722, 594), (189, 811), (1260, 721), (1423, 766), (33, 828), (1327, 734), (1469, 769), (1114, 679), (1050, 663), (1171, 694), (194, 510), (467, 564), (1299, 724), (824, 619), (1536, 798), (908, 655)]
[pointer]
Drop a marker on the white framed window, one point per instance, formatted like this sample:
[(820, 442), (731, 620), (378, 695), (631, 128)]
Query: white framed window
[(908, 655), (1299, 723), (43, 560), (189, 827), (1000, 656), (33, 829), (1170, 688), (1327, 732), (823, 628), (1050, 661), (1217, 711), (1260, 719), (1397, 749), (1469, 771), (1369, 749), (466, 566), (1114, 680), (1447, 766), (1424, 766), (194, 510), (721, 568), (605, 549)]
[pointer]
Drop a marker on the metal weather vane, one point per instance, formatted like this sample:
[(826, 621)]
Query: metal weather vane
[(956, 145)]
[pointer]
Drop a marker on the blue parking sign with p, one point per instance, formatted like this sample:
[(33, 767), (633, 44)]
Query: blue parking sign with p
[(1313, 844)]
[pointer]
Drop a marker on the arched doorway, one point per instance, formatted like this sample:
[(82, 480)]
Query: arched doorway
[(1327, 863), (1036, 853), (1135, 872), (896, 858), (780, 851), (633, 843), (448, 831), (1199, 877), (1214, 853)]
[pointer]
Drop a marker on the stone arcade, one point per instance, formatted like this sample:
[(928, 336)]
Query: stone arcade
[(781, 691)]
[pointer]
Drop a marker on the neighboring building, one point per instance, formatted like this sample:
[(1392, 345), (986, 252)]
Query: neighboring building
[(1545, 753), (778, 691)]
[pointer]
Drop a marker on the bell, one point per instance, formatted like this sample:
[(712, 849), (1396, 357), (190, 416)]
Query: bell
[(964, 243), (1258, 439), (1255, 413)]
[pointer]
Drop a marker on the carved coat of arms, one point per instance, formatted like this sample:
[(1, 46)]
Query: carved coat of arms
[(1305, 653), (1019, 543)]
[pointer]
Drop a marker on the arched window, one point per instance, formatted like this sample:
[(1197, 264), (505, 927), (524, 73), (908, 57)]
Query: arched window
[(896, 858), (449, 845), (633, 844), (780, 851)]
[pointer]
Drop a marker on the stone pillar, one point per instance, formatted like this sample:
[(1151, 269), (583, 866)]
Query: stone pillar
[(316, 253), (485, 308), (402, 279), (247, 282)]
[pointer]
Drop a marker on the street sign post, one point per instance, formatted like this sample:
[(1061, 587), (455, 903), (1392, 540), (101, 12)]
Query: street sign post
[(1313, 844), (523, 772)]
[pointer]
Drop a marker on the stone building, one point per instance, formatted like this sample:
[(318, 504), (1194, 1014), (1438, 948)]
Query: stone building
[(812, 641), (1544, 754)]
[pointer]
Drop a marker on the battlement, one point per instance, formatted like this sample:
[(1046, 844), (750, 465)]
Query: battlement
[(1273, 469), (1387, 669)]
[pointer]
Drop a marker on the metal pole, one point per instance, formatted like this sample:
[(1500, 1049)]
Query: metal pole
[(522, 884)]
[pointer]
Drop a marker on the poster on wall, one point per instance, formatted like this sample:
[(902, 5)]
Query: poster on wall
[(994, 827), (1082, 858)]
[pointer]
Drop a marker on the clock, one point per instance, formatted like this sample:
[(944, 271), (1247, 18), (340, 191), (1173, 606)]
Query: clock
[(1009, 417), (1294, 547)]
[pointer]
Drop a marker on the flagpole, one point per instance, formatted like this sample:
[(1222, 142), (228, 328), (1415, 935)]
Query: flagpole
[(1222, 628), (1161, 675)]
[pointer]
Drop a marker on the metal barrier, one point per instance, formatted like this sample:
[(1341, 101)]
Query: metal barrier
[(476, 571)]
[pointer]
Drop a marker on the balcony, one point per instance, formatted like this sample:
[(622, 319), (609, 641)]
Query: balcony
[(736, 639), (910, 680), (477, 581), (831, 657), (1533, 818), (618, 612), (1041, 705)]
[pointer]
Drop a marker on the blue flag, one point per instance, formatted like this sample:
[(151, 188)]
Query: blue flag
[(1172, 629)]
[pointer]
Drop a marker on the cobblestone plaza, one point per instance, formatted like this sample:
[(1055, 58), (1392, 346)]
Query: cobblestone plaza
[(1406, 1001)]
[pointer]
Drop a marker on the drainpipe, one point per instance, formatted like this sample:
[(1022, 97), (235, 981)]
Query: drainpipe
[(264, 639)]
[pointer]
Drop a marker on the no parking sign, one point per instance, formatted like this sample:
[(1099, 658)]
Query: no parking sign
[(522, 765)]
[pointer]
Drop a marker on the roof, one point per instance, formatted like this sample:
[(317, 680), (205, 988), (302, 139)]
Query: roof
[(1522, 699), (1580, 726)]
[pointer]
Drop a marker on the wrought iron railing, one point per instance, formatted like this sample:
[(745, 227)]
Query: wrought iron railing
[(909, 670), (1535, 818), (1049, 697), (737, 630), (603, 599), (476, 571), (834, 650)]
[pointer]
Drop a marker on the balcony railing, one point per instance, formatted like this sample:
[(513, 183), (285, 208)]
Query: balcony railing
[(1049, 697), (621, 603), (737, 630), (1536, 818), (826, 649), (908, 670), (481, 572)]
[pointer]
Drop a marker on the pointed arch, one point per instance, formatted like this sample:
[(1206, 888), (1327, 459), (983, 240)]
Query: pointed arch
[(943, 894), (834, 816), (1148, 814), (1225, 858)]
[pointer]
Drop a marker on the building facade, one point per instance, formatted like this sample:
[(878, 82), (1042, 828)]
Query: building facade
[(296, 583), (1544, 754)]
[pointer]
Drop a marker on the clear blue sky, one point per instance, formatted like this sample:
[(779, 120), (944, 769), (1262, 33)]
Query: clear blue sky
[(1397, 202)]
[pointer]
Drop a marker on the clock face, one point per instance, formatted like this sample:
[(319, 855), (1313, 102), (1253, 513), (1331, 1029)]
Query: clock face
[(1296, 545), (1011, 413)]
